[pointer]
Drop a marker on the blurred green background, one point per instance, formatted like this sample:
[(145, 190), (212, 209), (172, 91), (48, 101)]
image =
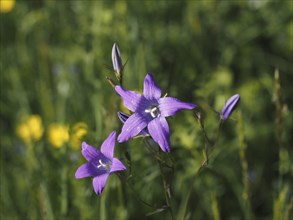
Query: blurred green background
[(55, 56)]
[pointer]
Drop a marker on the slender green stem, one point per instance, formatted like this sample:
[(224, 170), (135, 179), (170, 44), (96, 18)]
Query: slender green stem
[(64, 185), (198, 117), (166, 190), (282, 149), (136, 194), (138, 197), (280, 200), (289, 211), (165, 184), (244, 166), (182, 213), (204, 163)]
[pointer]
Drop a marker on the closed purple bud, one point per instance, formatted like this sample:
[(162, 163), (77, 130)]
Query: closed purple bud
[(230, 106), (116, 59)]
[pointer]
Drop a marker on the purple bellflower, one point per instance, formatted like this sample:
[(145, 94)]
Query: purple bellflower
[(229, 107), (149, 111), (116, 59), (100, 163)]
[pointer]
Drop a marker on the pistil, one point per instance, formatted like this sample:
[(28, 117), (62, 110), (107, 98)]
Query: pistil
[(154, 111)]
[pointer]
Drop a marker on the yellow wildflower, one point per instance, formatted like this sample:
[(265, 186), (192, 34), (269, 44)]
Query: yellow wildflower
[(36, 128), (58, 134), (30, 129), (22, 131), (6, 5), (79, 130)]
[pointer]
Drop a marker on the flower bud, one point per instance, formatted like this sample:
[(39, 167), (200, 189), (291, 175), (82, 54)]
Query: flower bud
[(230, 106), (117, 61)]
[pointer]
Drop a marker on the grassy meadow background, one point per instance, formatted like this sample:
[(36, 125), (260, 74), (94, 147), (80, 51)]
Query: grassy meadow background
[(55, 57)]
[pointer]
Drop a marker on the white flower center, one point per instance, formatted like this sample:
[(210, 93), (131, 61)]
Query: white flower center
[(154, 111), (106, 166)]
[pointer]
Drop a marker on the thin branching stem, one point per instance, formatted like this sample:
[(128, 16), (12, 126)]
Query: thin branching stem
[(204, 163), (165, 184)]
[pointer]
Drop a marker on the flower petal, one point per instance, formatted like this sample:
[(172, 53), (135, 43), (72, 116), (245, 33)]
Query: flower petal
[(117, 165), (89, 152), (133, 125), (123, 117), (150, 89), (85, 170), (229, 106), (108, 145), (159, 130), (132, 100), (170, 106), (99, 183)]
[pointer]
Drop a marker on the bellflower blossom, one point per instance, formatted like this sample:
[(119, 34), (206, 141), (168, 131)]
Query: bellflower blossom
[(100, 163), (150, 111), (229, 106)]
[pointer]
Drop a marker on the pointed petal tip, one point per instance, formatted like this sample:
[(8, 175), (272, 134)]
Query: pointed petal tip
[(159, 131), (167, 150), (84, 145), (89, 152), (151, 90), (77, 175), (108, 145), (119, 139), (164, 149), (113, 133), (192, 106), (118, 88), (99, 183), (99, 193)]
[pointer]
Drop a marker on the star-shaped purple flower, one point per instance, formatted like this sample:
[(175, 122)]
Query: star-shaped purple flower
[(100, 163), (149, 111)]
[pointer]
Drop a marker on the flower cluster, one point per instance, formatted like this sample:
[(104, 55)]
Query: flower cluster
[(149, 112)]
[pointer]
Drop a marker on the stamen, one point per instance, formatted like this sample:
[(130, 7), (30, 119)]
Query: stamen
[(101, 164), (153, 110)]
